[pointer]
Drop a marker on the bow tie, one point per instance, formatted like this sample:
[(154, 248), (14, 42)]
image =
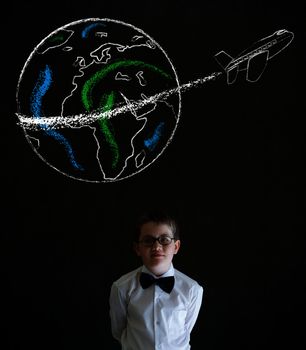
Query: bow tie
[(165, 283)]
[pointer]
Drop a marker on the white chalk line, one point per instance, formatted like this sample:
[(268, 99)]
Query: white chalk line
[(75, 121)]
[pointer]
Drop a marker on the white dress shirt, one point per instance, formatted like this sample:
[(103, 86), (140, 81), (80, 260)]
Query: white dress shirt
[(151, 319)]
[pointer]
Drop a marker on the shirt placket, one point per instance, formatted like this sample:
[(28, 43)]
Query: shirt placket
[(157, 312)]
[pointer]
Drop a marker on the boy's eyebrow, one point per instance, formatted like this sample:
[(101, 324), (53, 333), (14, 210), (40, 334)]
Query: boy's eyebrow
[(163, 234)]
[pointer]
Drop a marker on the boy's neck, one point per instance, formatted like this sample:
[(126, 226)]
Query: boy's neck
[(158, 271)]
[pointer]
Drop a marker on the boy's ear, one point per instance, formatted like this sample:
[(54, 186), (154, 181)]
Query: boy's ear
[(177, 245), (136, 248)]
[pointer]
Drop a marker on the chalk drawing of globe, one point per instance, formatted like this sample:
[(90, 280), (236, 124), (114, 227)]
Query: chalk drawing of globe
[(90, 93)]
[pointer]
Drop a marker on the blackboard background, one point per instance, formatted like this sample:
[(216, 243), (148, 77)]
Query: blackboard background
[(234, 176)]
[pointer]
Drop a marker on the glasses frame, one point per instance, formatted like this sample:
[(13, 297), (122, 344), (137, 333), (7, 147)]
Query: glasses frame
[(158, 239)]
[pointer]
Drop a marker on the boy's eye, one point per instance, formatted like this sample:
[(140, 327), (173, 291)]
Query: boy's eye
[(148, 240), (163, 240)]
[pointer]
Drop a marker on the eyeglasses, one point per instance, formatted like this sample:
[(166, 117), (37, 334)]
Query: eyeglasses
[(148, 241)]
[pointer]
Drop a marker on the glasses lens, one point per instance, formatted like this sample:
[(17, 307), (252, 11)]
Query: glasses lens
[(165, 240), (148, 241)]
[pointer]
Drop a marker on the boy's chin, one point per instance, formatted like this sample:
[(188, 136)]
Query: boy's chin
[(158, 267), (158, 260)]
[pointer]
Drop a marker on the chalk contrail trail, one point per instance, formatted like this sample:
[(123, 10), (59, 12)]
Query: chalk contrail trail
[(59, 122)]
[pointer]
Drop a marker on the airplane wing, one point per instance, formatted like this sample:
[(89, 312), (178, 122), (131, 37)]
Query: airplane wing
[(256, 66), (232, 74), (224, 60)]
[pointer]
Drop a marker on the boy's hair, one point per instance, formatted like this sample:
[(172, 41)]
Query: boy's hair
[(158, 217)]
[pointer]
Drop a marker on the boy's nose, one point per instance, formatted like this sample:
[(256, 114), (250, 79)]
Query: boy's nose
[(156, 244)]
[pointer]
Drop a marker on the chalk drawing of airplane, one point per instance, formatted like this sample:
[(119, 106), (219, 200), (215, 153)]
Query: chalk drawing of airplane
[(254, 59)]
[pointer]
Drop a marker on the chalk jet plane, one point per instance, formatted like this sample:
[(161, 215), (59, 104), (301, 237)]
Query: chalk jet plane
[(254, 59)]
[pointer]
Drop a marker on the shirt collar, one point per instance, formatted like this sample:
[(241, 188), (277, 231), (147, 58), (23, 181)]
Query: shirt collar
[(170, 272)]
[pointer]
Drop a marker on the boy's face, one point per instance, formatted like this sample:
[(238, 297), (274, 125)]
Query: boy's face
[(156, 257)]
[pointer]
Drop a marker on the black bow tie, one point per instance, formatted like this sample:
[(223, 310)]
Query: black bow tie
[(165, 283)]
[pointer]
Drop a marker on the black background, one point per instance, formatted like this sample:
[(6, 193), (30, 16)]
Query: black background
[(234, 175)]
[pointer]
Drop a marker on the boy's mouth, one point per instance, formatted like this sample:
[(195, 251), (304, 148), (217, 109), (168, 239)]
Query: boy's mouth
[(157, 255)]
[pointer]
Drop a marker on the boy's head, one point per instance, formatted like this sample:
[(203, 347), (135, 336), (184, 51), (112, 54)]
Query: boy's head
[(156, 241)]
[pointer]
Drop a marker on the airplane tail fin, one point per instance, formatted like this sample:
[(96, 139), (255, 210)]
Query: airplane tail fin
[(223, 58)]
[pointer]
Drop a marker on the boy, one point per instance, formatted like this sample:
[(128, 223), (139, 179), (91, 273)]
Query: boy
[(155, 306)]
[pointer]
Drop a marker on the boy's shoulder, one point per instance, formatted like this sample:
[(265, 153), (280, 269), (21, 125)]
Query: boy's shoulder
[(185, 280), (128, 278)]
